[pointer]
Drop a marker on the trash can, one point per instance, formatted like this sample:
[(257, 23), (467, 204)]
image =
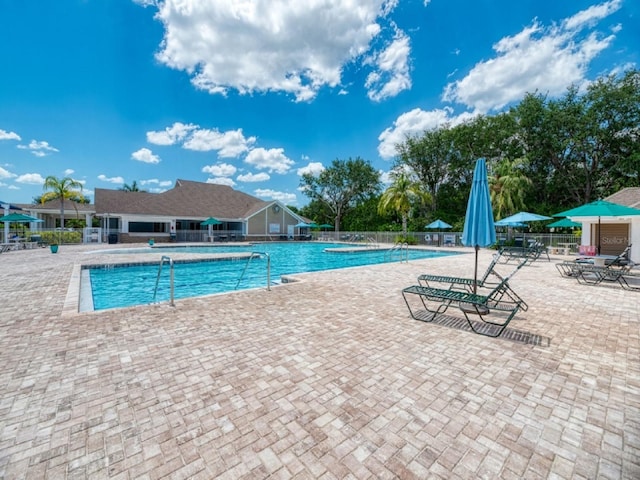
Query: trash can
[(113, 238)]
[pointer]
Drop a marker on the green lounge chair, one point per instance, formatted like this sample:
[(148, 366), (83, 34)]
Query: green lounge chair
[(494, 307), (466, 284)]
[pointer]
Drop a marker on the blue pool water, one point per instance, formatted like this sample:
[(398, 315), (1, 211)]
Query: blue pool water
[(122, 286)]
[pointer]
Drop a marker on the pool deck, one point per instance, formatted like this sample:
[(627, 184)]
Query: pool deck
[(324, 378)]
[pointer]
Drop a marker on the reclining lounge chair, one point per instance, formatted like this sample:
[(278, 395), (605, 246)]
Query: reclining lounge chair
[(485, 302)]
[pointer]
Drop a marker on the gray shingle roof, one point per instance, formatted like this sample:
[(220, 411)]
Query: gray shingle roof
[(187, 199), (629, 197)]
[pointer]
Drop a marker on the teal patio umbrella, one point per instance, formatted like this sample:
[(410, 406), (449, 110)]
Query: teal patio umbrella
[(17, 218), (210, 222), (439, 225), (479, 230), (326, 225), (564, 223), (599, 208), (523, 217)]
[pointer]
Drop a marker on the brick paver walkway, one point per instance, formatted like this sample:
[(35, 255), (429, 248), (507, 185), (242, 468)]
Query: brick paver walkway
[(326, 378)]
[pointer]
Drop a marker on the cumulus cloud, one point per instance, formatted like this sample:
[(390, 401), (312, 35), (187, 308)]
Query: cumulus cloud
[(314, 168), (155, 181), (145, 155), (116, 180), (272, 160), (31, 179), (220, 170), (391, 74), (254, 177), (170, 135), (286, 198), (538, 58), (69, 171), (268, 45), (222, 181), (228, 144), (39, 149), (6, 173), (4, 135), (415, 122)]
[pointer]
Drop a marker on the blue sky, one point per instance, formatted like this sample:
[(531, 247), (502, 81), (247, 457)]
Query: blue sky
[(253, 93)]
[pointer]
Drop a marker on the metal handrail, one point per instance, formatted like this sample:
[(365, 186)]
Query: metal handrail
[(398, 247), (253, 254), (171, 275)]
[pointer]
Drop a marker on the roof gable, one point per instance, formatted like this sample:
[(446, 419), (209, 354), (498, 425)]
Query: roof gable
[(186, 199), (629, 197)]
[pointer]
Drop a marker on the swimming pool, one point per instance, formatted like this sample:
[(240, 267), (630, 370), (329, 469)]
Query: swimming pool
[(116, 286)]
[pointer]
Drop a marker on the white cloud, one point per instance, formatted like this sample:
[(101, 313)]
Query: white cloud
[(31, 179), (268, 45), (170, 135), (415, 122), (6, 173), (145, 155), (222, 181), (228, 144), (69, 171), (39, 149), (116, 180), (286, 198), (220, 170), (314, 168), (391, 74), (535, 59), (155, 181), (13, 187), (254, 177), (272, 160), (4, 135)]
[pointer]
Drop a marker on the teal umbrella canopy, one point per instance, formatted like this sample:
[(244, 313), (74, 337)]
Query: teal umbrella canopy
[(523, 217), (564, 223), (326, 225), (479, 230), (20, 218), (599, 208), (302, 225), (438, 224), (505, 223), (211, 221)]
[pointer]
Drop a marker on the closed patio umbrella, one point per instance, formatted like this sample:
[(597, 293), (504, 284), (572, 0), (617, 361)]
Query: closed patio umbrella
[(479, 230)]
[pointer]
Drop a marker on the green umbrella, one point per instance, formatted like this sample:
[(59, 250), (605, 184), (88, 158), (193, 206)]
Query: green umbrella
[(326, 225), (211, 221), (564, 223), (599, 208), (19, 218)]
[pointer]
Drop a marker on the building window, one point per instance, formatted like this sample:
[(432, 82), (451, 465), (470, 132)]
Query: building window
[(148, 227)]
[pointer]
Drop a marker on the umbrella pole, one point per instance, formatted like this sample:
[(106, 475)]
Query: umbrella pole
[(475, 273), (598, 235)]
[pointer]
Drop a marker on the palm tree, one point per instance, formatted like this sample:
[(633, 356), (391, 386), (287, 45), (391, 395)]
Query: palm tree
[(508, 186), (131, 188), (61, 189), (401, 196)]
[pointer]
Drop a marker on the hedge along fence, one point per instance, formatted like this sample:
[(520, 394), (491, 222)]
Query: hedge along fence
[(65, 237)]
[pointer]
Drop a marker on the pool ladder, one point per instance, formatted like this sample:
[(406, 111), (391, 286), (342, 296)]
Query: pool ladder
[(171, 290), (400, 250), (257, 254)]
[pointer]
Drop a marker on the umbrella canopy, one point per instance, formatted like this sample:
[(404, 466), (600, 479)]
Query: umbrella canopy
[(326, 225), (504, 223), (211, 221), (438, 224), (302, 225), (564, 223), (523, 217), (479, 230), (20, 218), (599, 208)]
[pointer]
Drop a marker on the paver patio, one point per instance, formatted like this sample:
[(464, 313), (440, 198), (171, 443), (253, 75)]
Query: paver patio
[(324, 378)]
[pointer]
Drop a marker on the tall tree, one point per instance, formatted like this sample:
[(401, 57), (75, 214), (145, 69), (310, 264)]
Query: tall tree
[(342, 186), (508, 187), (402, 196), (61, 189)]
